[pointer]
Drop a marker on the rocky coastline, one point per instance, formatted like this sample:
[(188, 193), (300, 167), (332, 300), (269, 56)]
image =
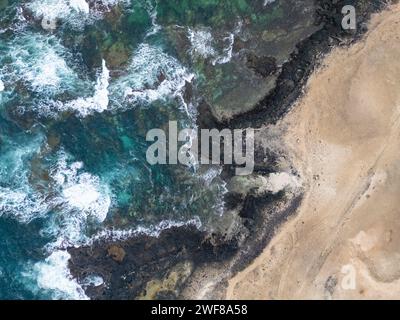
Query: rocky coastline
[(184, 262)]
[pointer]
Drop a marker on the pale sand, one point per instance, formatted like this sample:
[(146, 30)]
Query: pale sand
[(344, 135)]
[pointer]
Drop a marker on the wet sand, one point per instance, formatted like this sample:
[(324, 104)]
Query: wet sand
[(344, 240)]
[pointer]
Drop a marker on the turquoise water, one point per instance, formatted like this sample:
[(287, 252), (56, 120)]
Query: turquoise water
[(72, 138), (81, 83)]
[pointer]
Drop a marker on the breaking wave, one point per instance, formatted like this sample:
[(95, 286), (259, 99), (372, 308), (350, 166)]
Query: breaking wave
[(152, 75), (153, 231), (85, 106), (17, 198), (205, 45), (52, 276), (82, 198), (39, 62), (75, 13)]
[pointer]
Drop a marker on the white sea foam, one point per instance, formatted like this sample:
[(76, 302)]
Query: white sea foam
[(111, 3), (79, 197), (17, 199), (53, 275), (79, 6), (47, 73), (209, 176), (39, 61), (152, 75), (82, 197), (75, 13), (227, 53), (2, 87), (204, 45), (21, 205), (18, 20), (226, 56), (154, 230), (97, 103), (92, 281), (267, 2), (50, 9), (152, 10), (201, 42), (21, 202)]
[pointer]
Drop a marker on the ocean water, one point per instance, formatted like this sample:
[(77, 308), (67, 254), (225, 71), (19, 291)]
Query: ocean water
[(81, 82)]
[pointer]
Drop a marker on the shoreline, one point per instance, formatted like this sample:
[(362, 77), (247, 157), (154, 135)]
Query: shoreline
[(342, 134)]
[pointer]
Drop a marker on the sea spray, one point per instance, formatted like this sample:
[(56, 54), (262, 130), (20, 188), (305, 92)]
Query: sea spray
[(53, 277)]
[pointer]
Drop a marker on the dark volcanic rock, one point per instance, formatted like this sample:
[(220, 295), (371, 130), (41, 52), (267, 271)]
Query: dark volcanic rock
[(128, 266), (265, 66), (296, 71)]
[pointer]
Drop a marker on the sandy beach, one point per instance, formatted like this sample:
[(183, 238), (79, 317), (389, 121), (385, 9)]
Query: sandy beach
[(343, 136)]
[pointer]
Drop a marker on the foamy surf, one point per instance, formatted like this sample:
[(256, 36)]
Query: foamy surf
[(205, 46), (267, 2), (79, 6), (40, 63), (153, 230), (92, 281), (98, 102), (152, 76), (53, 276), (82, 198), (21, 204), (75, 13), (81, 106), (155, 27), (17, 198), (150, 67), (202, 43), (227, 54)]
